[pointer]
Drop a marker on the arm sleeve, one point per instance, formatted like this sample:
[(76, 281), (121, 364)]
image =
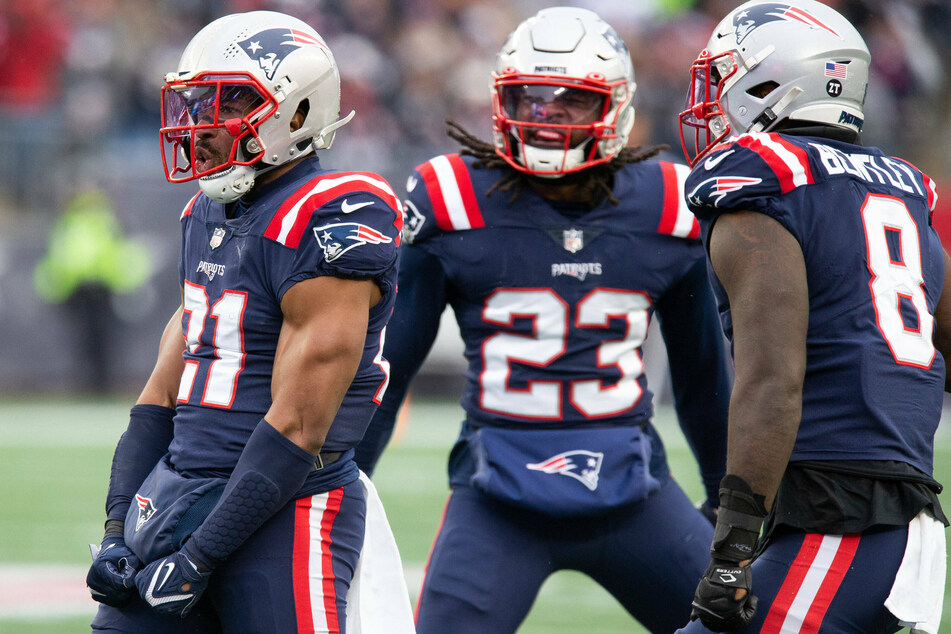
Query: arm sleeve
[(142, 445), (409, 336), (701, 373)]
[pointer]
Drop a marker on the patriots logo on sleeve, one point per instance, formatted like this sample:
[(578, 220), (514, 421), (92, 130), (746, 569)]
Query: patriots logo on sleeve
[(338, 238), (583, 466), (269, 48), (713, 190), (146, 510), (745, 22)]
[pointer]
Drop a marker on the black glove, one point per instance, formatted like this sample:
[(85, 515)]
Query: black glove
[(739, 521), (714, 603), (111, 578), (174, 584)]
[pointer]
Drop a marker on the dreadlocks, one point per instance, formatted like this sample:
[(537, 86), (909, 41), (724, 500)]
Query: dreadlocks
[(595, 181)]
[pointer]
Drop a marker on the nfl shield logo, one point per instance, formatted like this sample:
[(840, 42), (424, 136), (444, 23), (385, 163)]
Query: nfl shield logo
[(573, 240), (217, 237)]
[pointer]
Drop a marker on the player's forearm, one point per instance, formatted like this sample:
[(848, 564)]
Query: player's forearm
[(764, 420)]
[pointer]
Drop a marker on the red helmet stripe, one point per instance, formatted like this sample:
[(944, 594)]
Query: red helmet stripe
[(805, 17)]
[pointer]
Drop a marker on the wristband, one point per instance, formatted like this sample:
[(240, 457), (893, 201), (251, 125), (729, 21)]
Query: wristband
[(140, 447), (739, 521), (269, 473)]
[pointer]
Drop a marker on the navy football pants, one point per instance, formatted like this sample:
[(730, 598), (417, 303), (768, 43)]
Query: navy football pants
[(292, 575), (490, 559), (808, 583)]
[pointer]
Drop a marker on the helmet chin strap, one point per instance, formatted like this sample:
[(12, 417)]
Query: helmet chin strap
[(544, 161), (768, 116), (229, 184)]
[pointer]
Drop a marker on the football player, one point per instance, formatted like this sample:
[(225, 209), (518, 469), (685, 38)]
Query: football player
[(234, 502), (829, 278), (555, 246)]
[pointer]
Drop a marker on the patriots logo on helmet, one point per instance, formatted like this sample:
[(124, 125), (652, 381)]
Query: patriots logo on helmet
[(338, 238), (748, 20), (716, 189), (270, 47), (584, 466), (146, 510)]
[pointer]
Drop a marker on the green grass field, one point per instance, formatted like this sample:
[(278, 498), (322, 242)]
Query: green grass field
[(54, 468)]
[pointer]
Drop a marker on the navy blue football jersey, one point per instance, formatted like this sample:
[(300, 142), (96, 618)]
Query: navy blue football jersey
[(875, 270), (310, 222), (553, 306), (551, 311)]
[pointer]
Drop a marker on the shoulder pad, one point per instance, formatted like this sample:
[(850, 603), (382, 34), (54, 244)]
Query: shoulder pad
[(292, 218), (448, 184)]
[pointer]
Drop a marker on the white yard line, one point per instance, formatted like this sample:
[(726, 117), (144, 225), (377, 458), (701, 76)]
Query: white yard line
[(42, 592)]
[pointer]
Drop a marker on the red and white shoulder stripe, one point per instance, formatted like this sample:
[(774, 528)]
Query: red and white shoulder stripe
[(449, 186), (187, 211), (675, 218), (291, 220), (789, 162)]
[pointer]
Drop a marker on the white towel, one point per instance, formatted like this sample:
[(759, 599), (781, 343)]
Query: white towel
[(918, 592), (378, 600)]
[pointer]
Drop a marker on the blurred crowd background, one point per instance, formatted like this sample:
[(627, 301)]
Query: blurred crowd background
[(82, 303)]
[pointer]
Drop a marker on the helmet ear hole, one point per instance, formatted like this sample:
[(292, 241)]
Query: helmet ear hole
[(303, 109), (761, 90)]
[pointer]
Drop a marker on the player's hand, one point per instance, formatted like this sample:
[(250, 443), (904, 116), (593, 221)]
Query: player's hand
[(174, 584), (111, 578), (724, 599)]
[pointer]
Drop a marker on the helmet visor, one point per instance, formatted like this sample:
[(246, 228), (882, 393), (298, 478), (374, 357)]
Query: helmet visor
[(211, 114), (540, 103)]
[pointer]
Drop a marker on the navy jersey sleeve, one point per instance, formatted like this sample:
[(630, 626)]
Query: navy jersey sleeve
[(700, 371), (352, 236), (750, 173)]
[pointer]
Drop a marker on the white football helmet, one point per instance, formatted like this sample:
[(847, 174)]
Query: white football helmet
[(562, 71), (247, 74), (769, 62)]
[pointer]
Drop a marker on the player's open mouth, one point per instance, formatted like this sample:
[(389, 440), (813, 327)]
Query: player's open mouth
[(547, 138), (205, 160)]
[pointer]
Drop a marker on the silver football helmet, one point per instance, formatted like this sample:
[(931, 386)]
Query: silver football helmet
[(769, 62), (562, 93), (246, 75)]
